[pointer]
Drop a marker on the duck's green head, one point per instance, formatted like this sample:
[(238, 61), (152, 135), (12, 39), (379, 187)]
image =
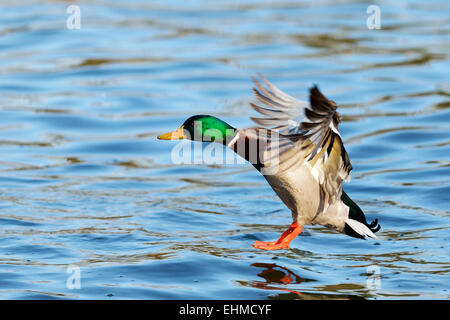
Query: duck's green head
[(202, 128)]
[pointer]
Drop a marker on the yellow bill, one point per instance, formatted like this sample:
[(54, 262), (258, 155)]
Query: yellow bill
[(174, 135)]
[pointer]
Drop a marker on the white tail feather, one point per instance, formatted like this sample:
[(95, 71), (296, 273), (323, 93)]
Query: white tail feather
[(360, 228)]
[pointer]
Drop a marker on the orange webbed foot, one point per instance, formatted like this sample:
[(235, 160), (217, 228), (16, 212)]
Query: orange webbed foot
[(284, 240), (270, 245)]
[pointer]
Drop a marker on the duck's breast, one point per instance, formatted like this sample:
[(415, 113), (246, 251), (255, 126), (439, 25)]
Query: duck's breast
[(298, 189)]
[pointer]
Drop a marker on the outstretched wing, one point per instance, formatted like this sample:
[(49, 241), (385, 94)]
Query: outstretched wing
[(309, 135), (283, 112)]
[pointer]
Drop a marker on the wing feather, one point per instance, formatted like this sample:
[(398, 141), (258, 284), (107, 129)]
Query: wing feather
[(281, 110)]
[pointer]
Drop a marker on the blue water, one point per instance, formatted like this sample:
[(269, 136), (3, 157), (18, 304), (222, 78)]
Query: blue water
[(85, 183)]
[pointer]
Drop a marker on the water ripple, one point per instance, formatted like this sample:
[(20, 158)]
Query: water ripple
[(84, 182)]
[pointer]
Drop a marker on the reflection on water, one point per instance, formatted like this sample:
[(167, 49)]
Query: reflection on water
[(84, 182), (273, 274)]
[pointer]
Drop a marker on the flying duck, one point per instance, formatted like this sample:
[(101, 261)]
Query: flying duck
[(297, 147)]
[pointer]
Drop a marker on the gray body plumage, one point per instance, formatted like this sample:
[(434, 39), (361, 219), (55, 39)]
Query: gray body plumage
[(295, 186), (300, 153)]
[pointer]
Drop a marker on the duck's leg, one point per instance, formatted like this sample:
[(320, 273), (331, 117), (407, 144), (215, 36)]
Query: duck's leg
[(284, 240)]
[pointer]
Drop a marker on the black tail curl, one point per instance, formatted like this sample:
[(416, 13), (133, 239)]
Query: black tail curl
[(374, 226)]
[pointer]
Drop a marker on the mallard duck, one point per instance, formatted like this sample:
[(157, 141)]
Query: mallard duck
[(299, 150)]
